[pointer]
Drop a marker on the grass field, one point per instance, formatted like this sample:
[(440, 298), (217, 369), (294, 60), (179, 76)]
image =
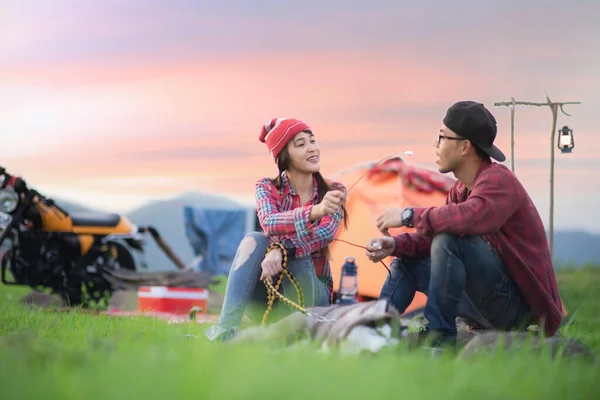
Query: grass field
[(47, 355)]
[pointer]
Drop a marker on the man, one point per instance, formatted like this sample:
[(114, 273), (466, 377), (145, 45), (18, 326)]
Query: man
[(484, 254)]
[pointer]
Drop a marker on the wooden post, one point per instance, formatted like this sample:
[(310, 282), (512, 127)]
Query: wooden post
[(512, 135), (554, 109), (554, 106)]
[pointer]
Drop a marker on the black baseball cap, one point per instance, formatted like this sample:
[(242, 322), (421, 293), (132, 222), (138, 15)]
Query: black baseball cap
[(471, 120)]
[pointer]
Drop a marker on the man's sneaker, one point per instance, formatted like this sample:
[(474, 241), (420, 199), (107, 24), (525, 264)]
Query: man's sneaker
[(437, 340)]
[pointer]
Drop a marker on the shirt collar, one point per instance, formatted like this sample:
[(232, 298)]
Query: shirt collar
[(484, 164), (465, 191), (287, 189)]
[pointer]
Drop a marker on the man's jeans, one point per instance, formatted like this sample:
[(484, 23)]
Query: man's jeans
[(245, 293), (464, 277)]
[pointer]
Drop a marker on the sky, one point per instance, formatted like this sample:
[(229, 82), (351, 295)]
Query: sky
[(115, 103)]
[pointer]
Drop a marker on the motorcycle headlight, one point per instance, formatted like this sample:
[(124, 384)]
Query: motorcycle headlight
[(9, 200)]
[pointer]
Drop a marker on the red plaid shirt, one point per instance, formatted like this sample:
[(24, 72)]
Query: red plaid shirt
[(281, 215), (500, 211)]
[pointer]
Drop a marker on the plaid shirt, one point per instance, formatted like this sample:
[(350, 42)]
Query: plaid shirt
[(500, 211), (282, 216)]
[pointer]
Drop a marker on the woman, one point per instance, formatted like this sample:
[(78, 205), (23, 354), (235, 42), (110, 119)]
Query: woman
[(298, 209)]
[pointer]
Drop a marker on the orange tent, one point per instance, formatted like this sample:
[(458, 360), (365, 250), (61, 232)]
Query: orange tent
[(373, 188)]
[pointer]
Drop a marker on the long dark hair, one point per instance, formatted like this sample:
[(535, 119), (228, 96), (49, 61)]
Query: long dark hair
[(283, 163)]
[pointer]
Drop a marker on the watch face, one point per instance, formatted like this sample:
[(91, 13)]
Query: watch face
[(406, 213)]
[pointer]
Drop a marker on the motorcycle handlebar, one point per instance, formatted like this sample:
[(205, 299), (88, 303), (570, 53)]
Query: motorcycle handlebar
[(20, 186)]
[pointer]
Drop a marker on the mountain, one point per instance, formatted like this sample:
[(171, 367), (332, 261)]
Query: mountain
[(576, 248)]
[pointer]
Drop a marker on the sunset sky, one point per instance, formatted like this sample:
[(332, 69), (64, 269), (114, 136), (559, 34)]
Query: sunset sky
[(113, 103)]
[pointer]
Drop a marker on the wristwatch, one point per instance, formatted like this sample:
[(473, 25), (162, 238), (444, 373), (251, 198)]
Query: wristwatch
[(407, 216), (289, 247)]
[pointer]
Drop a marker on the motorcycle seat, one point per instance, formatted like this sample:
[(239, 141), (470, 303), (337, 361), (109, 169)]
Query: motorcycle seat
[(95, 219)]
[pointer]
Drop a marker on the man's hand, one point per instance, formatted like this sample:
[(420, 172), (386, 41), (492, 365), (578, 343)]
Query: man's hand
[(271, 265), (380, 248), (332, 201), (391, 218)]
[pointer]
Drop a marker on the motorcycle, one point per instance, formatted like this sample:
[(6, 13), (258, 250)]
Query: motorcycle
[(69, 253)]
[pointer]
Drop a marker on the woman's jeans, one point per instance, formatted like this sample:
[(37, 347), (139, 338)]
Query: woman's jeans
[(465, 278), (245, 293)]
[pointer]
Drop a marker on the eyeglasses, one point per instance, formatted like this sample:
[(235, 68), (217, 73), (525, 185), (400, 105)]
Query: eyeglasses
[(436, 144)]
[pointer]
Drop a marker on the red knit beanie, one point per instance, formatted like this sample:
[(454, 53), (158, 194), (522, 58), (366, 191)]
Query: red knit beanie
[(278, 132)]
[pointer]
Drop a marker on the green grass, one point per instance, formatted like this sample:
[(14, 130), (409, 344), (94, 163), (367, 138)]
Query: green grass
[(76, 356)]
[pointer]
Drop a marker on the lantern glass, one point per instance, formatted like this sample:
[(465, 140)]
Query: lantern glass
[(565, 140)]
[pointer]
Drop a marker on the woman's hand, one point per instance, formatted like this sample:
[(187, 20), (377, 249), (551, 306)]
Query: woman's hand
[(271, 265), (332, 202)]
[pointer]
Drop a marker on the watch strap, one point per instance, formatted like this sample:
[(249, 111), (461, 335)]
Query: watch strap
[(289, 247)]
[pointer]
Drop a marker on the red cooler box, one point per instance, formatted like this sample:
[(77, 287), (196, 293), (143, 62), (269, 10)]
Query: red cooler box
[(174, 300)]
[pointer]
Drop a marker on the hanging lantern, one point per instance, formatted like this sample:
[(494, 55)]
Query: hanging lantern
[(565, 140)]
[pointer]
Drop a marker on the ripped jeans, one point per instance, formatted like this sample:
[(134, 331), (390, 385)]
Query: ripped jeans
[(465, 278), (245, 293)]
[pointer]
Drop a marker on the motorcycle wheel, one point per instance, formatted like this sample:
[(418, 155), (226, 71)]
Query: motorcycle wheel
[(86, 293)]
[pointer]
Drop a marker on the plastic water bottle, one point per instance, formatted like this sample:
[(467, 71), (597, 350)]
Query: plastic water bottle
[(348, 293)]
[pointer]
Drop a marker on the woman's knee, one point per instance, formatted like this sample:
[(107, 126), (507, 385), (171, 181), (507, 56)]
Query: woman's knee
[(255, 241), (254, 244), (257, 237)]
